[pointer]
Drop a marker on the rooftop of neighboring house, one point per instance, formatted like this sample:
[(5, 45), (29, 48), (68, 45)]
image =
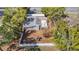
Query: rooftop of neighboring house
[(35, 10), (73, 13), (1, 11), (72, 10), (71, 21), (1, 14)]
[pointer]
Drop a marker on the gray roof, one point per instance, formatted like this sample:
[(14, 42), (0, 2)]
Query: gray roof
[(36, 10), (72, 22), (74, 10)]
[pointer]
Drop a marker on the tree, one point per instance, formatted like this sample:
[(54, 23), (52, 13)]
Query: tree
[(74, 37), (55, 12), (61, 34), (67, 38), (13, 19)]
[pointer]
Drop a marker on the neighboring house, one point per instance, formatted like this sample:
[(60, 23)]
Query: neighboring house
[(35, 10), (1, 11), (71, 22), (73, 16), (1, 14), (72, 10), (35, 22)]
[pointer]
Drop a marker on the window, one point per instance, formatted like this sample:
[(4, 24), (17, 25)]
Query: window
[(38, 21), (30, 19)]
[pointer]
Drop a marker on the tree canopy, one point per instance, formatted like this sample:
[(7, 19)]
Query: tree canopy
[(13, 19), (67, 38), (55, 12)]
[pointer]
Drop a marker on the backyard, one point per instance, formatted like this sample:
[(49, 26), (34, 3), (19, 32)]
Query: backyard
[(39, 29)]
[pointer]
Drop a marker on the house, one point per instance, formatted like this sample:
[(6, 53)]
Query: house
[(35, 22), (1, 11), (35, 10), (72, 18), (1, 14)]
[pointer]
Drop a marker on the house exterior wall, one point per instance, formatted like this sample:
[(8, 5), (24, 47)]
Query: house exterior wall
[(40, 21)]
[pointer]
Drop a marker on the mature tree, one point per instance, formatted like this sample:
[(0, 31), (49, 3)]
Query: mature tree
[(61, 35), (53, 12), (74, 37), (67, 38), (13, 19)]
